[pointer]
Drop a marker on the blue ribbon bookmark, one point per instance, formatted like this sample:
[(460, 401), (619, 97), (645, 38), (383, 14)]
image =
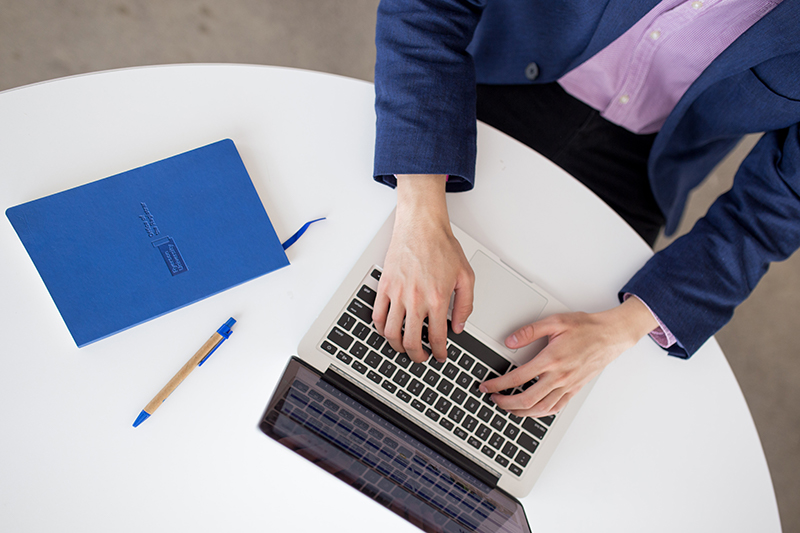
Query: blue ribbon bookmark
[(291, 240)]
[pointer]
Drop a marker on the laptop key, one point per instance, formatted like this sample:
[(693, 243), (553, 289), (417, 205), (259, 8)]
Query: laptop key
[(433, 415), (501, 460), (403, 360), (372, 375), (452, 352), (361, 331), (456, 414), (418, 405), (373, 360), (469, 423), (416, 387), (445, 423), (517, 471), (444, 387), (375, 340), (487, 452), (497, 441), (367, 294), (464, 380), (360, 310), (472, 405), (548, 419), (389, 386), (511, 431), (498, 422), (434, 363), (358, 350), (479, 371), (450, 370), (458, 396), (475, 443), (401, 378), (388, 351), (359, 367), (340, 338), (527, 442), (534, 427), (466, 361), (443, 405), (460, 433), (403, 395), (418, 369), (431, 378), (510, 449), (328, 347), (485, 414), (522, 458), (343, 357), (387, 369), (429, 396), (483, 432)]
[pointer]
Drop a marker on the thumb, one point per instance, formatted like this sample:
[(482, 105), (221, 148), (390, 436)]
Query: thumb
[(529, 333)]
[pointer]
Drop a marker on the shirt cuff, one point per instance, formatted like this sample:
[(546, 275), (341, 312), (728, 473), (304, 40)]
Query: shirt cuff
[(662, 335)]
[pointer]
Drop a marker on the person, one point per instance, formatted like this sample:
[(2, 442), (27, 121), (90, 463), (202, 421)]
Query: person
[(639, 100)]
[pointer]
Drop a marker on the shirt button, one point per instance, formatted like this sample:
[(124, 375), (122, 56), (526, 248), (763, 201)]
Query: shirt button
[(697, 5), (624, 99), (532, 71), (655, 34)]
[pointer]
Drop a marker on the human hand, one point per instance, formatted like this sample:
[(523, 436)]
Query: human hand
[(424, 266), (580, 346)]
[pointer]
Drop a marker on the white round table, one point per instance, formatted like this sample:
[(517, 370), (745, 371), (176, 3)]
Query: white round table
[(661, 444)]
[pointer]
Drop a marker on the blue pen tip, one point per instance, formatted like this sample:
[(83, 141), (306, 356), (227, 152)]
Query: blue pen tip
[(144, 415)]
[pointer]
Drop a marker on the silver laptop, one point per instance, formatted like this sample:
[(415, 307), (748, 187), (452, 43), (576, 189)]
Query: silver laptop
[(433, 410)]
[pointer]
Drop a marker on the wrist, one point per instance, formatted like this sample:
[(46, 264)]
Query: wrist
[(422, 198), (635, 319)]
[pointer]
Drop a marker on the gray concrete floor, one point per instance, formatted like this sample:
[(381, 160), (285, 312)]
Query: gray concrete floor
[(46, 39)]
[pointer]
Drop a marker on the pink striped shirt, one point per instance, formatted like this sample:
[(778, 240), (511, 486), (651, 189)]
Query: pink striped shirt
[(636, 81)]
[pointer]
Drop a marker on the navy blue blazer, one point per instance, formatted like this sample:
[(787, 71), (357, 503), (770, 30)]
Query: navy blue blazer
[(431, 53)]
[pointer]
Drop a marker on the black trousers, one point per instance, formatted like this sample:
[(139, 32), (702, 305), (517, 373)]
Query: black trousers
[(608, 159)]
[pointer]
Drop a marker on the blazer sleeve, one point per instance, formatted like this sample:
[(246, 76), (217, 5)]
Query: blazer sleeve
[(425, 90), (694, 284)]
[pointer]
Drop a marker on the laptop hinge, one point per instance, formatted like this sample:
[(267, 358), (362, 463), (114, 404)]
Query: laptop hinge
[(419, 433)]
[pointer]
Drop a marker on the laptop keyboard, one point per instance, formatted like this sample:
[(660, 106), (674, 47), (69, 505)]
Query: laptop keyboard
[(445, 393)]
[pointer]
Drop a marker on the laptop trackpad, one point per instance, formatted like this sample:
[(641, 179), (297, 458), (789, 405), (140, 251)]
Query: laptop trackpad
[(503, 302)]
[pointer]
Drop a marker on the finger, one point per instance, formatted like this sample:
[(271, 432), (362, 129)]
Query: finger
[(393, 328), (380, 310), (550, 404), (463, 300), (437, 334), (412, 339), (513, 379), (562, 403), (526, 399), (529, 333)]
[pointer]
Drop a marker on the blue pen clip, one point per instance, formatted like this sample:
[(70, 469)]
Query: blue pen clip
[(225, 331)]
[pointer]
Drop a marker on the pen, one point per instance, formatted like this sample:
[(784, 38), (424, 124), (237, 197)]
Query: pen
[(197, 360)]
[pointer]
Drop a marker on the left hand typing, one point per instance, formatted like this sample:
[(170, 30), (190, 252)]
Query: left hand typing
[(580, 345)]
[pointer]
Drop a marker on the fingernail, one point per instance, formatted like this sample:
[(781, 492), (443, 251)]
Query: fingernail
[(483, 388), (512, 340), (461, 327)]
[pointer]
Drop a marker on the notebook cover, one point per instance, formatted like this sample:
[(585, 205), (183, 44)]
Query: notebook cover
[(128, 248)]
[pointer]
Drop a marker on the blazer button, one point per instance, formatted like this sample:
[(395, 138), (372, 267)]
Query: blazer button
[(532, 71)]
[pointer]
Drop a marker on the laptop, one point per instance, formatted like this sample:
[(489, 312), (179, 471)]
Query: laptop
[(420, 438)]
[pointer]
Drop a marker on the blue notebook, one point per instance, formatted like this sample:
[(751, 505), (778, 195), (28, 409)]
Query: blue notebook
[(128, 248)]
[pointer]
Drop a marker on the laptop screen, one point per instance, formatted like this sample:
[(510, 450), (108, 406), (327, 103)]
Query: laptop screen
[(328, 427)]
